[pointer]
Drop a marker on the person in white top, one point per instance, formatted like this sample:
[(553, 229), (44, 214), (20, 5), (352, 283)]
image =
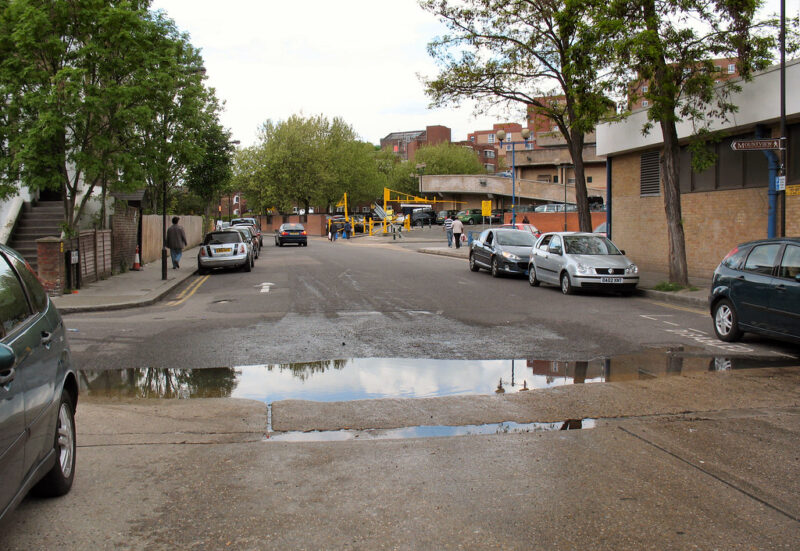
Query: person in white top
[(448, 229), (458, 229)]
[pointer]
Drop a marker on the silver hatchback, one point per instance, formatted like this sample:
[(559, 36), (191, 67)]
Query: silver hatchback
[(225, 249), (581, 261)]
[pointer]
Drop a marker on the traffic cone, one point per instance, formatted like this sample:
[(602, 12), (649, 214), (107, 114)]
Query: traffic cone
[(136, 262)]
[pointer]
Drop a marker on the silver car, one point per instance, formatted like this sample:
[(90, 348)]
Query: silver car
[(502, 251), (581, 261), (225, 249)]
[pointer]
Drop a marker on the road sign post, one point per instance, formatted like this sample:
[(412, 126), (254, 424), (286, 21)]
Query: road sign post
[(756, 145)]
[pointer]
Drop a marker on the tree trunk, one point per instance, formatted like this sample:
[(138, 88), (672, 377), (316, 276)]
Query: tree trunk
[(581, 195), (670, 176)]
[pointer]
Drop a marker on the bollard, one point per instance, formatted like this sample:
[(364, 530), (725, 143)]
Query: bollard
[(469, 238)]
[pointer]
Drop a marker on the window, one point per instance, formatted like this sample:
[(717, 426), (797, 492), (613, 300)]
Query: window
[(35, 291), (528, 145), (489, 167), (13, 304), (491, 138), (645, 89), (555, 243), (650, 174), (472, 139), (762, 259), (790, 265), (588, 179), (731, 68), (235, 199), (645, 103), (545, 242), (488, 153), (718, 68), (555, 179), (508, 147)]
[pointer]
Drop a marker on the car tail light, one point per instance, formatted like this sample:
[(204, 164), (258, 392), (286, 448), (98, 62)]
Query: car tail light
[(202, 251), (284, 233), (303, 233), (730, 254), (242, 249)]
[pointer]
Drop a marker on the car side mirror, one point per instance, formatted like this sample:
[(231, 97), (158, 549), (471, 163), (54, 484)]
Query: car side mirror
[(555, 250), (622, 251), (7, 357)]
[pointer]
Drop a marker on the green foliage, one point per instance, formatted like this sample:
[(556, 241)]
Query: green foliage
[(447, 158), (668, 287), (306, 161), (97, 96)]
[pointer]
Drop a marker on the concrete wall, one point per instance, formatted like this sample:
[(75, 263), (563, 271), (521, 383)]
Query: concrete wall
[(153, 237), (9, 211)]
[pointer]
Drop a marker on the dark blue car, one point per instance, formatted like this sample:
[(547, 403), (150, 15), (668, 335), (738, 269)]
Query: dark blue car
[(756, 288)]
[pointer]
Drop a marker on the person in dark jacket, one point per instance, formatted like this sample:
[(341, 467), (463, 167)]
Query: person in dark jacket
[(176, 242)]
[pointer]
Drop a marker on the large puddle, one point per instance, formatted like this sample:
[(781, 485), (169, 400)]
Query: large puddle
[(370, 378)]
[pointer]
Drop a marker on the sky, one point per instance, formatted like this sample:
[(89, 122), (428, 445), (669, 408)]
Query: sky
[(354, 59)]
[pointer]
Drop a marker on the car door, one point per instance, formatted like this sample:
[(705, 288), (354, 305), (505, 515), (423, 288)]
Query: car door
[(538, 256), (785, 305), (548, 264), (15, 315), (481, 248), (753, 289)]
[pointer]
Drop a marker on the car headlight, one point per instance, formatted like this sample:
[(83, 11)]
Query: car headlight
[(632, 269), (510, 256), (583, 269)]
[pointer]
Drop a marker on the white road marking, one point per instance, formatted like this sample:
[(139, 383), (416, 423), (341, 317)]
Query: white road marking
[(265, 286)]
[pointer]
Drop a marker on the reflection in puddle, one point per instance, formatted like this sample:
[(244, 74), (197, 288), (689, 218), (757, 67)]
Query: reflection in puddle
[(425, 431), (370, 378)]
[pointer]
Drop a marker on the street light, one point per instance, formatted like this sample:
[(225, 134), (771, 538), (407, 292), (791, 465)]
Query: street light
[(501, 135)]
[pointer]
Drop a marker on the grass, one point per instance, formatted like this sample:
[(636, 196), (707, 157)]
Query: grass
[(669, 287)]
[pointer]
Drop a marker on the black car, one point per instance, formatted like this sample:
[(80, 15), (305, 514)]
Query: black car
[(291, 233), (38, 389), (756, 288), (423, 217), (444, 215), (502, 251)]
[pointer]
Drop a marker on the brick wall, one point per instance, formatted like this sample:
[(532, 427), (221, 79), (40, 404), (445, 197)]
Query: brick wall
[(51, 269), (714, 222), (124, 230)]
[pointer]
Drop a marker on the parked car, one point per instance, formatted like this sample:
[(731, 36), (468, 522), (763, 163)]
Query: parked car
[(470, 216), (556, 207), (38, 389), (502, 251), (497, 216), (256, 228), (225, 249), (756, 288), (423, 216), (442, 215), (249, 234), (601, 228), (575, 260), (358, 223), (293, 233), (530, 228)]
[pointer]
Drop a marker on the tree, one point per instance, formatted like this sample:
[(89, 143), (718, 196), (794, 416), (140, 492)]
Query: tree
[(670, 45), (77, 81), (448, 158), (543, 53)]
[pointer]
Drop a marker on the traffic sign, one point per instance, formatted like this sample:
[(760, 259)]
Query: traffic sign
[(756, 145), (780, 183)]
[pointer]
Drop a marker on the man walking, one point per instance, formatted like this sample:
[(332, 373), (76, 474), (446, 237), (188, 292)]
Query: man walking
[(176, 241), (448, 229), (458, 229)]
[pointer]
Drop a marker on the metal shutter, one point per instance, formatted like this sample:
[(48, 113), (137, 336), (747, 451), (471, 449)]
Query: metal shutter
[(651, 173)]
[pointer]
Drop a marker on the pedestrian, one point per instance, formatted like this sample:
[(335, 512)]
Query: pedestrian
[(176, 242), (448, 229), (458, 230), (348, 228)]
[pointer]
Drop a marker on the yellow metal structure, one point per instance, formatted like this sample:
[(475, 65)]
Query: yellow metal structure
[(343, 203), (400, 197)]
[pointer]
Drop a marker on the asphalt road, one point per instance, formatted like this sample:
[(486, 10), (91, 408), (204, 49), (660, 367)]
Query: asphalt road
[(356, 299), (705, 460)]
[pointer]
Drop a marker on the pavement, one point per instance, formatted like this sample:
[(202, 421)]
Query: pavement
[(133, 289)]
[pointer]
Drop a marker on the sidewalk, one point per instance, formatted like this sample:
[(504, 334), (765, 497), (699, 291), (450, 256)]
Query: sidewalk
[(130, 289), (145, 287)]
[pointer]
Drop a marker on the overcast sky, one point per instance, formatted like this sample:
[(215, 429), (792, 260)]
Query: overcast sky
[(355, 59)]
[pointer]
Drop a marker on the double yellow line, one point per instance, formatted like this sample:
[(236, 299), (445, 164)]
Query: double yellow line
[(188, 292)]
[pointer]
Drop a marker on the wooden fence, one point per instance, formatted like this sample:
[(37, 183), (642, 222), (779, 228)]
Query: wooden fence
[(152, 234)]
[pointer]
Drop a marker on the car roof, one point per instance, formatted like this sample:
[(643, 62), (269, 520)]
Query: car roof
[(793, 240)]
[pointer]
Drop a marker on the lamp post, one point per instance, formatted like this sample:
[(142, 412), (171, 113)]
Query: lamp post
[(501, 136)]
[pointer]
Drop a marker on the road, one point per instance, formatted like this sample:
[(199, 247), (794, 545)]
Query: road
[(355, 300), (704, 460)]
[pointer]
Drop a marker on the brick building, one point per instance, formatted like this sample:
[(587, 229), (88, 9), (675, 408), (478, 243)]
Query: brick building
[(405, 144), (722, 206)]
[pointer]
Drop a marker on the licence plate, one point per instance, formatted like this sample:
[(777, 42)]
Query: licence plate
[(610, 280), (227, 250)]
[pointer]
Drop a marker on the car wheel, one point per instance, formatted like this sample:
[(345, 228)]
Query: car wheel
[(252, 261), (726, 322), (566, 284), (495, 267), (247, 266), (276, 242), (471, 222), (532, 276), (472, 265), (58, 480)]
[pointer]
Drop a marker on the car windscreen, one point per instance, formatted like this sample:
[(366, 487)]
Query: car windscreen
[(294, 227), (218, 238), (515, 238), (589, 244)]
